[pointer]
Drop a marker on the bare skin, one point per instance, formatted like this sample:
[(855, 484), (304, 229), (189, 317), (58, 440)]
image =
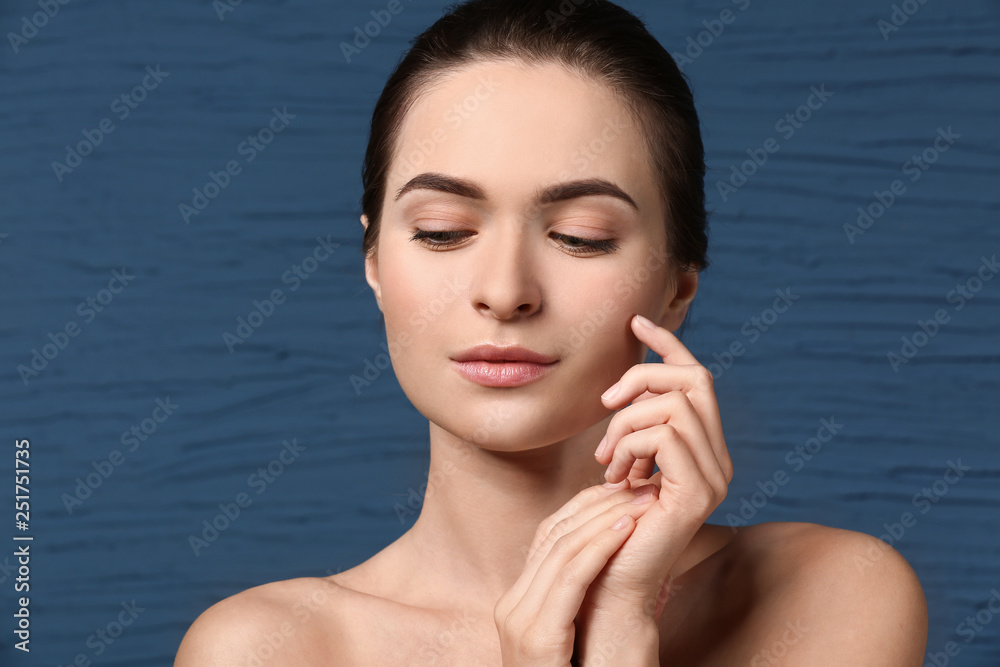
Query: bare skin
[(741, 599), (504, 461)]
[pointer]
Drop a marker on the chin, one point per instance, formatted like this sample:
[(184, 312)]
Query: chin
[(506, 420)]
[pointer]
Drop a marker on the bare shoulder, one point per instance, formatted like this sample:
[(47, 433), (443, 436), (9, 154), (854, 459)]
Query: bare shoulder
[(831, 596), (296, 619)]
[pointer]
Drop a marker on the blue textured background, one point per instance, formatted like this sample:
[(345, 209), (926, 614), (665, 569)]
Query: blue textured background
[(365, 451)]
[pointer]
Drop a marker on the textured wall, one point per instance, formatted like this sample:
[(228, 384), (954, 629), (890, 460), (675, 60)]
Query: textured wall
[(881, 95)]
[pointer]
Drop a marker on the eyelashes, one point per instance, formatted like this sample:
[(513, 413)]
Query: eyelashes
[(439, 240), (599, 245)]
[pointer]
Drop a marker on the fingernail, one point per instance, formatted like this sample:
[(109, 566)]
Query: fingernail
[(601, 446), (644, 322), (610, 393), (644, 498), (621, 523), (615, 485)]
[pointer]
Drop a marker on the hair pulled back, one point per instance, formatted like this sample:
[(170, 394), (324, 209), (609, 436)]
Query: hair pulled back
[(594, 37)]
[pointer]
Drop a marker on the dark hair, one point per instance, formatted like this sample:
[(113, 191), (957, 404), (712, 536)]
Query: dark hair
[(595, 37)]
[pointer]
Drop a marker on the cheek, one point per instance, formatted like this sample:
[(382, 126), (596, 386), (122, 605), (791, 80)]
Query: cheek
[(418, 305), (603, 305)]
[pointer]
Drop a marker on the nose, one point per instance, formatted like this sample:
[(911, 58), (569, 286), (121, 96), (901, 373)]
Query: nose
[(504, 275)]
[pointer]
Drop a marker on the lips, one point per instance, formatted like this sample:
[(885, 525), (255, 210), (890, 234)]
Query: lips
[(494, 366), (496, 353)]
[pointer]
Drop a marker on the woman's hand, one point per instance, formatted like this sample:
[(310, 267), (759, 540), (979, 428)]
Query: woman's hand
[(673, 421), (535, 618)]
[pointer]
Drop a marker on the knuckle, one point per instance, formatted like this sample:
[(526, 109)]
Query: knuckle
[(702, 506), (561, 527), (722, 494), (704, 377), (562, 547), (545, 527), (581, 499), (669, 433), (730, 471), (703, 498), (511, 627), (720, 487), (676, 396), (568, 576)]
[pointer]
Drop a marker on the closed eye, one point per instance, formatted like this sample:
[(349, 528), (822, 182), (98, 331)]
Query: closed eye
[(579, 246), (436, 239), (587, 246)]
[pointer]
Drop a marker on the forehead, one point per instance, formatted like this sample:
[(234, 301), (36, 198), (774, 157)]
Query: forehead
[(513, 127)]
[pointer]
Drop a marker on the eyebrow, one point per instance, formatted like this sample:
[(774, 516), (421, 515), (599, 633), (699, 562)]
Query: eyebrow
[(554, 193)]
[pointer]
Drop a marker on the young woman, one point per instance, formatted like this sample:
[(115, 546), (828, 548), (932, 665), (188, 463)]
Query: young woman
[(534, 221)]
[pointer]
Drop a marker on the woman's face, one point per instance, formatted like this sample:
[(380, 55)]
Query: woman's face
[(514, 256)]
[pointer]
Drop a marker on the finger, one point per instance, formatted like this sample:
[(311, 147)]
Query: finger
[(673, 408), (571, 516), (642, 469), (585, 498), (673, 351), (560, 524), (663, 342), (561, 581), (678, 466), (695, 381), (582, 499), (685, 500)]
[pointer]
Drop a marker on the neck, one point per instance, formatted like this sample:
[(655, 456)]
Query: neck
[(482, 507)]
